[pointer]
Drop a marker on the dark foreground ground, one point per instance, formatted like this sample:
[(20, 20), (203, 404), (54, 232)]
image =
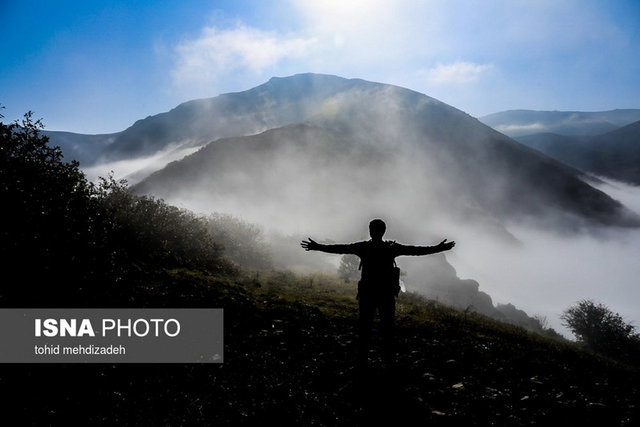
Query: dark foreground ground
[(288, 361)]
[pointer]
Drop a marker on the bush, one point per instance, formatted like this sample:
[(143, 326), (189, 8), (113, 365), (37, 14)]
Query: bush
[(148, 231), (349, 268), (243, 242), (602, 330)]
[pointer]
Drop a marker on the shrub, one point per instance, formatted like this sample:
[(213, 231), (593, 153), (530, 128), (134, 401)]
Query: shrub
[(243, 242), (148, 231), (349, 268), (601, 330)]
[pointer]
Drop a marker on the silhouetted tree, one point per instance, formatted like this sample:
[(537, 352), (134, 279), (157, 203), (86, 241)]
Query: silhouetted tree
[(349, 268), (49, 212), (601, 330)]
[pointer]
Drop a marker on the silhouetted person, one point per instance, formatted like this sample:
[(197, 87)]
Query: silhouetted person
[(378, 285)]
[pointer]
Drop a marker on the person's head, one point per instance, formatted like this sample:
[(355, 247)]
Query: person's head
[(377, 227)]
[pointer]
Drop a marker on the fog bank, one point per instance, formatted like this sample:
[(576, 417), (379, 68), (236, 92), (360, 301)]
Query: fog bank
[(551, 271)]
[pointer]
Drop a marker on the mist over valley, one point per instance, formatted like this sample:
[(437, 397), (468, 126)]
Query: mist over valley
[(515, 123), (317, 155)]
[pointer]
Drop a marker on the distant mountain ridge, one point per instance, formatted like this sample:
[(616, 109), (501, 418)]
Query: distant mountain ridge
[(614, 154), (516, 123), (87, 149)]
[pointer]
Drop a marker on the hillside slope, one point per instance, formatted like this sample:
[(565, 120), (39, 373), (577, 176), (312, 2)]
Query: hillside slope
[(86, 149), (289, 361)]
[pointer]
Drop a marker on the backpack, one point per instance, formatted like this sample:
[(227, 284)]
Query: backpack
[(392, 283), (395, 279)]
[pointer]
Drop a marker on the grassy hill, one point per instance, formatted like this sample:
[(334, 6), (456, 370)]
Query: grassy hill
[(289, 360)]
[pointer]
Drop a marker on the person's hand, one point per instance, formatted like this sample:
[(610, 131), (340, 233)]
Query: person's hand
[(445, 246), (309, 245)]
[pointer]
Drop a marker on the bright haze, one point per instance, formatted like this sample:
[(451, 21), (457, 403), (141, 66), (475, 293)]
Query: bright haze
[(531, 231)]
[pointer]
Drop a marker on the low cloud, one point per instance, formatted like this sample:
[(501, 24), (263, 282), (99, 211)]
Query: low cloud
[(522, 129), (550, 271), (136, 169), (458, 73)]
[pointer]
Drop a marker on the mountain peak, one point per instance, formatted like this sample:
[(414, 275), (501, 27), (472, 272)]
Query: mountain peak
[(307, 77), (370, 127), (373, 119)]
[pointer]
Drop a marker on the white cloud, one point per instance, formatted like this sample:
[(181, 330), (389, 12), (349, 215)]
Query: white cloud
[(458, 73), (522, 129), (628, 194), (219, 53), (134, 170)]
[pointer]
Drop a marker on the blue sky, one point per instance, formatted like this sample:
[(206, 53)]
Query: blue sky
[(98, 66)]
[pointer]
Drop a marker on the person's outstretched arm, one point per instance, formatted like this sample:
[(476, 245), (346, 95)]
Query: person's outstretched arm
[(310, 245), (424, 250)]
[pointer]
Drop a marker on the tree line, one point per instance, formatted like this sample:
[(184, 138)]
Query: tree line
[(66, 240)]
